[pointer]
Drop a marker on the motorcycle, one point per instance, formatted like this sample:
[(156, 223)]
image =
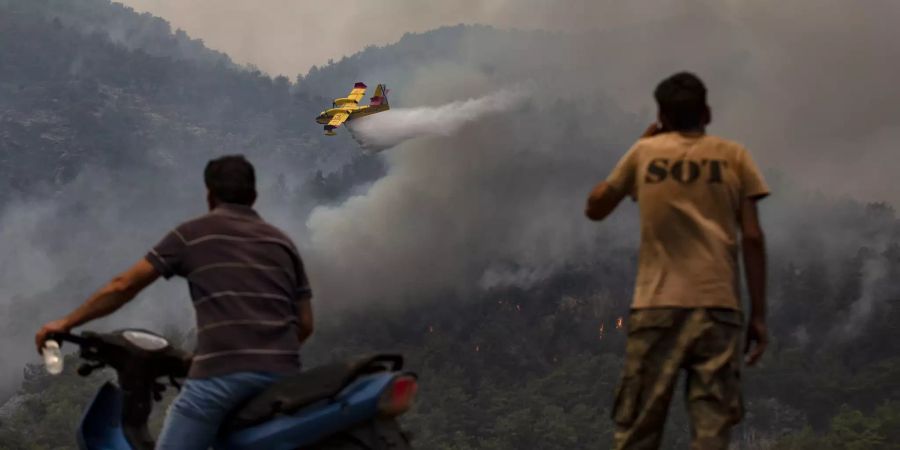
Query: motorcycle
[(349, 405)]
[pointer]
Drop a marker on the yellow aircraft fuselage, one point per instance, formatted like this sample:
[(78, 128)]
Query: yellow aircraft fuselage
[(348, 108)]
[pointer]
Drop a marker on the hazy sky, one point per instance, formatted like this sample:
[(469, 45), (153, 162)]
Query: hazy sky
[(808, 85), (288, 36)]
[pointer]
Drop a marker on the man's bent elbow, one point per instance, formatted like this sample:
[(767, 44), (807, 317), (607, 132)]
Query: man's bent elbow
[(306, 330), (592, 215), (595, 213), (602, 201), (754, 238)]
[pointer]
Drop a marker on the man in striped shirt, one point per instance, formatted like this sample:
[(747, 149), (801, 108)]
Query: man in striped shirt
[(250, 293)]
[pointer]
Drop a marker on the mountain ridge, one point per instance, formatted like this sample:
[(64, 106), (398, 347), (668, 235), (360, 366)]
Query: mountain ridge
[(99, 140)]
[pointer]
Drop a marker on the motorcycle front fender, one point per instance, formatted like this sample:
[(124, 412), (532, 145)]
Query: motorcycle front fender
[(101, 424)]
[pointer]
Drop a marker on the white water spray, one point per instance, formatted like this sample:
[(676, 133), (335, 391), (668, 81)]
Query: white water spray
[(387, 129)]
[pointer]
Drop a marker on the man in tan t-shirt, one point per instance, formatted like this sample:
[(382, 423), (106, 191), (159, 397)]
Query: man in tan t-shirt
[(695, 193)]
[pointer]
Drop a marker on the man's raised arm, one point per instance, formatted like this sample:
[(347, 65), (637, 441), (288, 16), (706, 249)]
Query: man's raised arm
[(621, 182), (109, 298), (603, 200)]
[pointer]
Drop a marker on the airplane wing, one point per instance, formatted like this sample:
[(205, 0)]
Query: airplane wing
[(358, 92), (337, 120)]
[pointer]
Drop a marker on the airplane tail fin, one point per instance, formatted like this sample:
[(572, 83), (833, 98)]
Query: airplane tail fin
[(380, 98)]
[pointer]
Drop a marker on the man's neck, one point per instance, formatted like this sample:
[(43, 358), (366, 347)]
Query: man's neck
[(234, 208), (693, 132)]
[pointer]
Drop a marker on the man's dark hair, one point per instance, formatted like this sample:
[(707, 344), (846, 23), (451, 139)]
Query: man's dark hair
[(231, 179), (682, 101)]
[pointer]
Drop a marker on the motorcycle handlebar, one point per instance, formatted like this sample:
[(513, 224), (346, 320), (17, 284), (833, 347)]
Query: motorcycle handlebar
[(132, 363), (67, 337)]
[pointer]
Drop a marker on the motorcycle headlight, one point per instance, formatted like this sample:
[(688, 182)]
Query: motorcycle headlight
[(145, 341)]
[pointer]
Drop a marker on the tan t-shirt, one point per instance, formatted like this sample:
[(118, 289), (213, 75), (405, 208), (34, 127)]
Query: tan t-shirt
[(688, 188)]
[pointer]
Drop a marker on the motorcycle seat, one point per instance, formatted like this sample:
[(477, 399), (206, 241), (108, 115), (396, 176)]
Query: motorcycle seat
[(288, 395)]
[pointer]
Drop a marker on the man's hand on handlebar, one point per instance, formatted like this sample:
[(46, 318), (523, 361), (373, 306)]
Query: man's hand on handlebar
[(56, 326), (109, 298)]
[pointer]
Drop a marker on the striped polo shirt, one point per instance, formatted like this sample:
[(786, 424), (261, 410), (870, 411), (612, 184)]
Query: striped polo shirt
[(245, 278)]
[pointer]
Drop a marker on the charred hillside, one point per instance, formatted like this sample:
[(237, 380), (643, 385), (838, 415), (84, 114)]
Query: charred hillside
[(107, 116)]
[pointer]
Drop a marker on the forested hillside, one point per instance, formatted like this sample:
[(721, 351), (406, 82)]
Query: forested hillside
[(121, 25), (107, 116), (93, 82), (90, 128)]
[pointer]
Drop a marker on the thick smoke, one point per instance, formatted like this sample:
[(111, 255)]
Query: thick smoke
[(388, 129), (874, 275), (497, 200), (500, 200), (59, 245), (802, 83)]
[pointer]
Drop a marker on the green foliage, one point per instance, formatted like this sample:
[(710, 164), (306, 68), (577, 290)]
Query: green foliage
[(49, 408), (508, 369), (851, 429), (74, 97)]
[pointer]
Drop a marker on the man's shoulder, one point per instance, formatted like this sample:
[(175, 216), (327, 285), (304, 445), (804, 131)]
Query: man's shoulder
[(648, 145), (194, 226), (650, 142), (261, 228), (214, 223), (277, 233), (725, 144)]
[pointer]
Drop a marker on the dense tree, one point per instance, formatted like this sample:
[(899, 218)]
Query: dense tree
[(92, 84)]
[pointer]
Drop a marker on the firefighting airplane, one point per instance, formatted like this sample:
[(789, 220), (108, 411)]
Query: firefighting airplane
[(348, 108)]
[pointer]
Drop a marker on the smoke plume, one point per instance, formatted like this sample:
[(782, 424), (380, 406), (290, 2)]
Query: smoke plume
[(388, 129), (491, 192)]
